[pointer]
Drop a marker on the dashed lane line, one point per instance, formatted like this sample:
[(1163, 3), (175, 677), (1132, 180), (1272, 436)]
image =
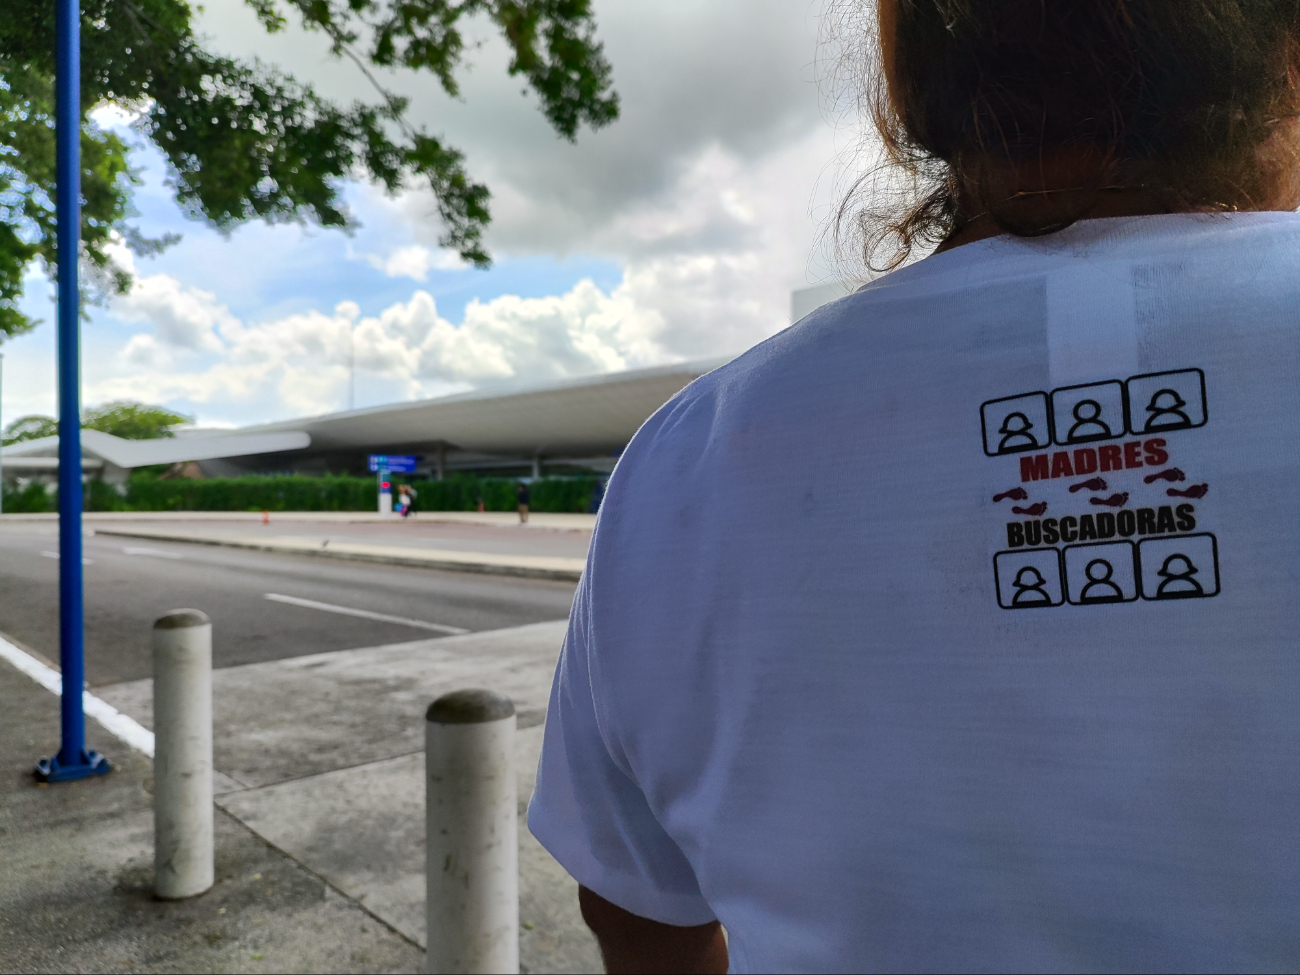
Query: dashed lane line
[(55, 555), (366, 614), (155, 552)]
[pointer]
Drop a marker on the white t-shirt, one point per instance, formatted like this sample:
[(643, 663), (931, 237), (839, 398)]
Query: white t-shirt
[(957, 627)]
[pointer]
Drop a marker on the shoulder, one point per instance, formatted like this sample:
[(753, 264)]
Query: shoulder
[(718, 413)]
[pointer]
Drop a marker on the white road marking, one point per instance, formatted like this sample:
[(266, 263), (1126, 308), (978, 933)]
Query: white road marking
[(159, 553), (55, 555), (366, 614), (128, 729)]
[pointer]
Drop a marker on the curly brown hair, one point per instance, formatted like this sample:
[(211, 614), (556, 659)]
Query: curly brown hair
[(1172, 98)]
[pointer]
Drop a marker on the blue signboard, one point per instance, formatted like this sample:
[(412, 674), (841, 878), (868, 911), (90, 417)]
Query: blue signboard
[(393, 463)]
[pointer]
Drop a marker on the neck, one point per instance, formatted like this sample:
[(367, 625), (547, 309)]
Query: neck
[(1052, 200), (1043, 210)]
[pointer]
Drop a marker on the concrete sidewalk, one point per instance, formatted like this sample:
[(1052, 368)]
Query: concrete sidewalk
[(76, 884), (542, 520), (528, 566), (320, 823)]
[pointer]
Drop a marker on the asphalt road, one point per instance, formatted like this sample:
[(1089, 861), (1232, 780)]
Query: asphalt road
[(129, 583)]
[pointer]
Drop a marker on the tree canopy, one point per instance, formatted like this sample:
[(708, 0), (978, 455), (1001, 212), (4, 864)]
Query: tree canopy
[(34, 427), (122, 418), (132, 421), (243, 140)]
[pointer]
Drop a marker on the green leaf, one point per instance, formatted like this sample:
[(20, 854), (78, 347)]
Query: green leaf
[(132, 421), (245, 141)]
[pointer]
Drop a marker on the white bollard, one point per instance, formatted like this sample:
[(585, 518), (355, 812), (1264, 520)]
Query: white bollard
[(473, 846), (182, 765)]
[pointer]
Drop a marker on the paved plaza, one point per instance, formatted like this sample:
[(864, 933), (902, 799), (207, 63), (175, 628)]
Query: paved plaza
[(320, 796)]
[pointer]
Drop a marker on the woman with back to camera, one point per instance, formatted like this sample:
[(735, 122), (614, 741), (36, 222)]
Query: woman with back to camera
[(799, 699)]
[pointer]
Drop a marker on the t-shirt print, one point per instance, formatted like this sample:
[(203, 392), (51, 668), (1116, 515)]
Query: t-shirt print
[(1099, 509)]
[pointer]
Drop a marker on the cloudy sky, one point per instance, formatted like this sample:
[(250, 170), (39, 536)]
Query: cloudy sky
[(678, 232)]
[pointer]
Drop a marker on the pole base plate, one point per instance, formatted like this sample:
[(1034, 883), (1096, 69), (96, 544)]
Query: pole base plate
[(51, 770)]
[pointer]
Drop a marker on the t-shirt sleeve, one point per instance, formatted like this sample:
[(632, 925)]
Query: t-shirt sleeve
[(589, 812)]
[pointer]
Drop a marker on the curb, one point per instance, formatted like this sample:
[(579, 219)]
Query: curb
[(536, 567), (544, 520)]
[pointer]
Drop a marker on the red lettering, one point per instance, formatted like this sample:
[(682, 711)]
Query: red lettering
[(1033, 468), (1156, 453), (1085, 461), (1111, 458), (1133, 454), (1061, 466)]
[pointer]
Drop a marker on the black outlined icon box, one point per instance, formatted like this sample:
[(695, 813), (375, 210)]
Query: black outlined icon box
[(1164, 401), (1028, 578), (1182, 567), (1102, 573), (1016, 423), (1084, 413)]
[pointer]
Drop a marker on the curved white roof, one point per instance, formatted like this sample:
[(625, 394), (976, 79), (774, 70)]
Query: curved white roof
[(96, 447), (588, 416)]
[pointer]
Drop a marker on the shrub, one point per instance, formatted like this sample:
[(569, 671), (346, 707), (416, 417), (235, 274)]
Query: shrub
[(101, 496), (287, 493), (461, 492), (31, 499), (337, 493)]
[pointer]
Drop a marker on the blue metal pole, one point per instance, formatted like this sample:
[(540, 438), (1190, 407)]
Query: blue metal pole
[(73, 760)]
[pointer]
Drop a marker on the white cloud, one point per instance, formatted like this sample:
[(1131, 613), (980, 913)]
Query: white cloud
[(414, 261), (737, 74), (697, 79), (710, 193), (145, 350), (708, 268), (300, 362), (183, 317)]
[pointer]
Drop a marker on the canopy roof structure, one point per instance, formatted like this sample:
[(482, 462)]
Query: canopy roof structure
[(583, 417), (104, 451), (588, 419)]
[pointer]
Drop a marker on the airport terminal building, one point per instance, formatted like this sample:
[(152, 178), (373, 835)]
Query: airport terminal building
[(574, 425), (570, 426)]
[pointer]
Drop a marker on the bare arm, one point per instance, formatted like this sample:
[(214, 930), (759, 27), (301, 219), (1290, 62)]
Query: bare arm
[(630, 943)]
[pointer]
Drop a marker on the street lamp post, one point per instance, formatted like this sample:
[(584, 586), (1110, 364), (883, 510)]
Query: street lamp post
[(73, 760)]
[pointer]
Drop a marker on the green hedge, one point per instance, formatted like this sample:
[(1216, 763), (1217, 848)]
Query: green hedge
[(300, 493), (146, 492), (98, 497), (292, 493), (461, 493), (33, 499)]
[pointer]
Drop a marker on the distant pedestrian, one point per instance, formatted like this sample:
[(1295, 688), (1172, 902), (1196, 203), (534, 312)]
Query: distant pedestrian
[(409, 494), (521, 495)]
